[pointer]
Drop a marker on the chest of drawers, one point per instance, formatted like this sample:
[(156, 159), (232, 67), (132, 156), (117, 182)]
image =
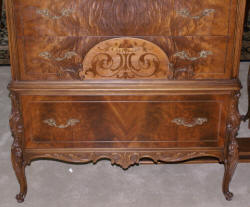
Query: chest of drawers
[(124, 80)]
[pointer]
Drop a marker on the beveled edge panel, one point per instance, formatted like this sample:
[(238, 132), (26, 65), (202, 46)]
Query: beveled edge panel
[(123, 158)]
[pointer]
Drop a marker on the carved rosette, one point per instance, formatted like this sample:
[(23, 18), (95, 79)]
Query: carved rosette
[(123, 159), (231, 148), (125, 58)]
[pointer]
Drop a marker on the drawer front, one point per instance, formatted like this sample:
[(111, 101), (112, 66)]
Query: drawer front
[(123, 17), (169, 58), (124, 121)]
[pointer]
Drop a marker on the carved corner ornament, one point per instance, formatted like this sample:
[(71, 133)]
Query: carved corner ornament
[(16, 126), (125, 58), (231, 148)]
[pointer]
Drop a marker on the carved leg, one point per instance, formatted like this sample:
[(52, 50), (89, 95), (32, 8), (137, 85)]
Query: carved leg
[(19, 168), (16, 126), (230, 165), (231, 148)]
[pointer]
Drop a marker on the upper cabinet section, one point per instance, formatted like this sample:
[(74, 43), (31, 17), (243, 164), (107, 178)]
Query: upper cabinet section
[(122, 17)]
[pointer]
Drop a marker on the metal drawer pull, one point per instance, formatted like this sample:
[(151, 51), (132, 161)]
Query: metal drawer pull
[(186, 13), (47, 13), (183, 55), (67, 56), (52, 122), (194, 122)]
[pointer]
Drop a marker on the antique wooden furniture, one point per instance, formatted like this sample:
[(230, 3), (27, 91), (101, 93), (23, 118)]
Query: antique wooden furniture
[(124, 80)]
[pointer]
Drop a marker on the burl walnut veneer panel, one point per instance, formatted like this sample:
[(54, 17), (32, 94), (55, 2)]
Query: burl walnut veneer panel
[(124, 80), (123, 18)]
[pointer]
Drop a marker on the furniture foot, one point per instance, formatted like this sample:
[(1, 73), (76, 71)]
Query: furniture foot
[(231, 149), (229, 171), (228, 196), (19, 168)]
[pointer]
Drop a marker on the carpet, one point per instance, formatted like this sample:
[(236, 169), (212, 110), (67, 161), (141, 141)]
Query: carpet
[(56, 184), (4, 51), (245, 49)]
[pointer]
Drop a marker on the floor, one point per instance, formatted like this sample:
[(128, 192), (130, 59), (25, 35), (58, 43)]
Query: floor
[(56, 184)]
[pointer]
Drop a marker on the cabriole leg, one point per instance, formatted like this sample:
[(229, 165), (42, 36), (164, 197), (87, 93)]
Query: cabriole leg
[(16, 126), (231, 148), (19, 168)]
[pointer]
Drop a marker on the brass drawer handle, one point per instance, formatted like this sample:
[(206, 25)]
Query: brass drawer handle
[(183, 55), (194, 122), (52, 122), (68, 55), (47, 13), (186, 13)]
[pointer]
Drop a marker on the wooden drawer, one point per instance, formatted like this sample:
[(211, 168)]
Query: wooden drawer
[(123, 17), (124, 121), (177, 58)]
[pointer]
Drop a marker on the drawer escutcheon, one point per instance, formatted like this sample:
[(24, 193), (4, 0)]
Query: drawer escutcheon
[(186, 13), (183, 55), (194, 122), (52, 122), (47, 13)]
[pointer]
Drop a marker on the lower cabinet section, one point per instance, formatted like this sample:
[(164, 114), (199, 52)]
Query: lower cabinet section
[(125, 129), (124, 121)]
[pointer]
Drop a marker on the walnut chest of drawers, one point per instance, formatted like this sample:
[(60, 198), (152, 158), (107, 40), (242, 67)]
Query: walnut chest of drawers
[(124, 80)]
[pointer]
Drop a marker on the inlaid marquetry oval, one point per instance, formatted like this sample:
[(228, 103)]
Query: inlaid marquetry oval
[(126, 58)]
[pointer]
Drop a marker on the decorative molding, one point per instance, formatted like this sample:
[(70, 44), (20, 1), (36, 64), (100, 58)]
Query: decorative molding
[(186, 13), (231, 148), (123, 159), (183, 55), (46, 13), (16, 126), (193, 123), (51, 122), (125, 58)]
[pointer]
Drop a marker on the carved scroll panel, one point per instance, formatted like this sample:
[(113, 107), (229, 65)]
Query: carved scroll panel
[(125, 58)]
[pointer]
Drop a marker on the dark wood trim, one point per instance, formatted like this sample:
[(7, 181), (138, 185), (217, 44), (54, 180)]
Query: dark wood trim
[(244, 153)]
